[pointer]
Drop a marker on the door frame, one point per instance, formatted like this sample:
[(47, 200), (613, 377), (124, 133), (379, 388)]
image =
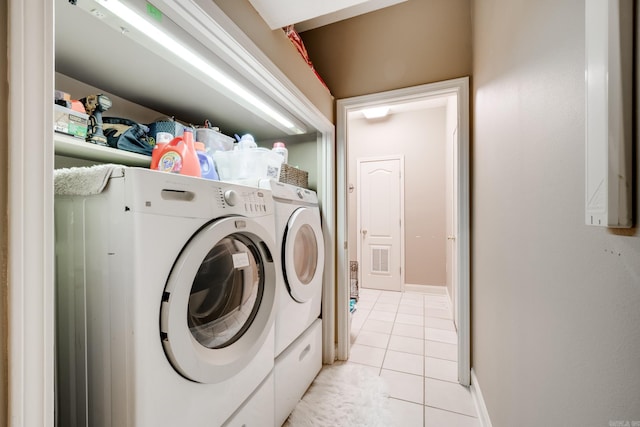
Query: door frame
[(359, 161), (460, 88)]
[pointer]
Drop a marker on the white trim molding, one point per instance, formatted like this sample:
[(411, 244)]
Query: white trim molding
[(30, 213), (463, 290), (478, 400)]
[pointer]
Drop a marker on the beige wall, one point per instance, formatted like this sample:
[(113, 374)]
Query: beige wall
[(420, 137), (276, 45), (4, 94), (555, 303), (414, 42), (301, 155)]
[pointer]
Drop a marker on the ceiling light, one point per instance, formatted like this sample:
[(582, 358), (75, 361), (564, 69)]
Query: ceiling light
[(375, 112), (187, 56)]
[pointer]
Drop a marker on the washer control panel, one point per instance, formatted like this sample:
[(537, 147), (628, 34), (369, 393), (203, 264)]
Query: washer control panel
[(248, 200)]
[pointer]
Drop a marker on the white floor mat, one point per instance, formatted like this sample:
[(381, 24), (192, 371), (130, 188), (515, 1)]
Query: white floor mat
[(343, 395)]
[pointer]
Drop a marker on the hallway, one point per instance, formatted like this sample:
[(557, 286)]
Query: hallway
[(409, 339)]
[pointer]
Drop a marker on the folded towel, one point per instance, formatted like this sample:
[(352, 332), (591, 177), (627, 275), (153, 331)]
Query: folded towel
[(83, 181)]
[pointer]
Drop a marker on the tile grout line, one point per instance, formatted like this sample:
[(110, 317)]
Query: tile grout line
[(450, 411), (424, 355)]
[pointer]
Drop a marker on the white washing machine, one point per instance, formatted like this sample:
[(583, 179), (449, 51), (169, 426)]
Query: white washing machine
[(165, 301), (298, 332)]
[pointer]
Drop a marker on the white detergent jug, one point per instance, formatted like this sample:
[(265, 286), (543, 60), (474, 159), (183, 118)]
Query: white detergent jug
[(278, 147)]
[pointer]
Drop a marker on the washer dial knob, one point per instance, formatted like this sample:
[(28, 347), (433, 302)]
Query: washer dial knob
[(231, 197)]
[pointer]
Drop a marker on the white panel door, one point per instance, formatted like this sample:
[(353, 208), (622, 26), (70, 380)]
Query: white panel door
[(380, 225)]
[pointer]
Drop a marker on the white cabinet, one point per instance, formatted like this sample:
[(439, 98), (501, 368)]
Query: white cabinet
[(609, 105)]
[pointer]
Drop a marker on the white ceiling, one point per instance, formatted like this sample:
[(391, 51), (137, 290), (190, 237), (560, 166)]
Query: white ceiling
[(309, 14)]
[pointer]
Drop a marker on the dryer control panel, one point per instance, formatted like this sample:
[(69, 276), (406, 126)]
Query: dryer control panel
[(287, 193)]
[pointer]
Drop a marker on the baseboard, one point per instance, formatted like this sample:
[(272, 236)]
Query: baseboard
[(427, 289), (446, 292), (478, 399), (451, 307)]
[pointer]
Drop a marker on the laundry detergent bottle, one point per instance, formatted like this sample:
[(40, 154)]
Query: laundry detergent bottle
[(207, 168), (162, 139), (279, 147), (179, 156)]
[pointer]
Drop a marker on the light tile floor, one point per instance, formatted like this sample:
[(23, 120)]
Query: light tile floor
[(409, 339)]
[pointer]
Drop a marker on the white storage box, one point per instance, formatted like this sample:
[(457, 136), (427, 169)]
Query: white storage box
[(247, 166), (70, 121), (295, 369), (259, 408)]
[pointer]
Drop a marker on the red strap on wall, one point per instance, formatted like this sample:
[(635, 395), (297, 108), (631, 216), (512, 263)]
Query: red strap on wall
[(293, 35)]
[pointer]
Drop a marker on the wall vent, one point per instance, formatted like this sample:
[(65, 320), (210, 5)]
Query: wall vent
[(380, 259)]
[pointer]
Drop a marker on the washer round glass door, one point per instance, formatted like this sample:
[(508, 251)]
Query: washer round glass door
[(217, 308), (303, 259)]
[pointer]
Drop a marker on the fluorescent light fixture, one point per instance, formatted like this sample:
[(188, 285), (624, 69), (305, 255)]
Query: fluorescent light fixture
[(375, 112), (196, 61)]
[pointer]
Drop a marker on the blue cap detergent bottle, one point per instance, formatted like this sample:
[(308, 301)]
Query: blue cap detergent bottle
[(207, 168)]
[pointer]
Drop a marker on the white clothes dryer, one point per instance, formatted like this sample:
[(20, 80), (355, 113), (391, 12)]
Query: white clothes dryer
[(298, 332), (301, 245), (165, 301)]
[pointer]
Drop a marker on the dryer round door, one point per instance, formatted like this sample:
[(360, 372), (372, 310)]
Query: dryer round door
[(303, 254), (218, 305)]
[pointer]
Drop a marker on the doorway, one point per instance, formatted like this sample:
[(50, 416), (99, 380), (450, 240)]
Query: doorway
[(380, 229), (457, 216)]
